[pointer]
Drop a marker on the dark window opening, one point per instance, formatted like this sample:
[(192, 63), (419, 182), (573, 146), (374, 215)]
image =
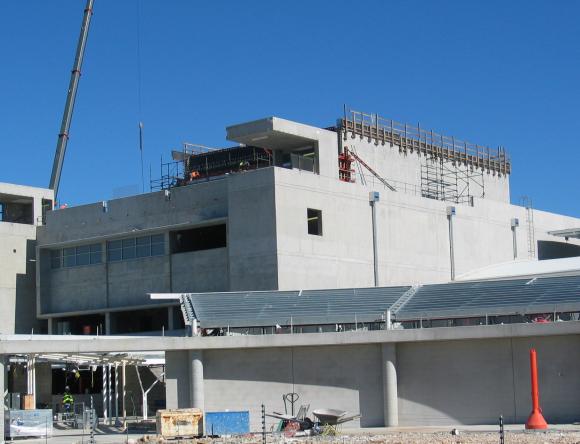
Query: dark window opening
[(314, 218), (556, 250), (16, 210), (197, 239), (80, 325), (139, 321)]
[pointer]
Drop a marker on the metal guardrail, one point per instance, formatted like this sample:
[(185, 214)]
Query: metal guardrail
[(413, 137)]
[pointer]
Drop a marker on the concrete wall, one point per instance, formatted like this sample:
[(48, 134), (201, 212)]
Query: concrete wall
[(17, 263), (403, 170), (413, 234), (439, 383)]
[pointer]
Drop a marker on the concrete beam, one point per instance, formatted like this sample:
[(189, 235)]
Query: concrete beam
[(27, 344), (390, 390)]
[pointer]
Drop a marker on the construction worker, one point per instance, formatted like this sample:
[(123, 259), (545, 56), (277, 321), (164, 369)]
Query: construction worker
[(67, 400)]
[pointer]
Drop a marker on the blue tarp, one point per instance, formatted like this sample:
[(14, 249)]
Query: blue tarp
[(227, 423)]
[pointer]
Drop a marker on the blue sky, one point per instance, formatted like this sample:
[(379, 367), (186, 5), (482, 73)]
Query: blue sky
[(491, 72)]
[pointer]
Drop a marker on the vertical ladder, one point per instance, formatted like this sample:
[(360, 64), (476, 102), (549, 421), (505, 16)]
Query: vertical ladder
[(527, 202)]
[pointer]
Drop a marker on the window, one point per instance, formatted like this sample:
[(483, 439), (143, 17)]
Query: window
[(136, 247), (197, 239), (76, 256), (55, 258), (314, 219)]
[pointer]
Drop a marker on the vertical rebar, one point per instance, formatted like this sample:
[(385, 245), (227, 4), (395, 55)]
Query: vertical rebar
[(263, 424), (501, 431)]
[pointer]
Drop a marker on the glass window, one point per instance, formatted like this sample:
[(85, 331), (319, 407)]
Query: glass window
[(83, 255), (55, 258), (69, 257), (129, 248), (96, 254), (143, 248), (157, 244), (115, 250)]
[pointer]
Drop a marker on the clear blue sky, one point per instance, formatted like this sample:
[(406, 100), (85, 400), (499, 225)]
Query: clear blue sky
[(492, 72)]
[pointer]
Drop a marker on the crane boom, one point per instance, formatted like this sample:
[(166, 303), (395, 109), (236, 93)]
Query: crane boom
[(70, 100)]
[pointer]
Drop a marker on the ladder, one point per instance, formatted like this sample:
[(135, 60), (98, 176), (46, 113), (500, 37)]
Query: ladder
[(527, 203), (373, 172)]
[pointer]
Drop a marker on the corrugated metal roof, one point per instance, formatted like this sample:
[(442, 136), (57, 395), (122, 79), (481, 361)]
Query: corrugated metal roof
[(500, 297), (307, 307), (317, 307)]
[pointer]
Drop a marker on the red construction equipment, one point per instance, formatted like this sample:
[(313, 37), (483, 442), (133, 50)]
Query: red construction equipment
[(536, 420)]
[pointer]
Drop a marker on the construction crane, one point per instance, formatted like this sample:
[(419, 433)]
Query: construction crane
[(70, 101)]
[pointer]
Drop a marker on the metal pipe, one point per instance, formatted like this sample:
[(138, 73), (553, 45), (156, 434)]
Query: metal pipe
[(375, 251), (450, 214), (70, 101)]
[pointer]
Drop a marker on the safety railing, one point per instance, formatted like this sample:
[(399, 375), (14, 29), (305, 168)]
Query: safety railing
[(428, 142)]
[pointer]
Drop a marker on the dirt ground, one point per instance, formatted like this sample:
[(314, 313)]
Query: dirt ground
[(549, 437)]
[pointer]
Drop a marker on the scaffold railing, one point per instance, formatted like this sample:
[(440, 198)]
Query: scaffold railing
[(414, 138)]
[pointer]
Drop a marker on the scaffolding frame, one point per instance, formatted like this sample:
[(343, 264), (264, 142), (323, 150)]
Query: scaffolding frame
[(442, 179)]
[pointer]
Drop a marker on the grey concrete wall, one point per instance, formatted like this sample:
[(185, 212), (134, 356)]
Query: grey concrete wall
[(443, 383), (473, 382), (404, 171), (252, 231), (17, 278), (413, 239), (204, 270)]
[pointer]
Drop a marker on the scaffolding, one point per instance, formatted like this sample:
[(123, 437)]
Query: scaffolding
[(442, 179), (413, 138), (201, 163)]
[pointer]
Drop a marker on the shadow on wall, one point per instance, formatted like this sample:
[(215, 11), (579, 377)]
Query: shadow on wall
[(25, 302), (343, 377)]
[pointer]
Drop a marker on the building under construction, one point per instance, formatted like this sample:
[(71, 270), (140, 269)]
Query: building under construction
[(366, 202)]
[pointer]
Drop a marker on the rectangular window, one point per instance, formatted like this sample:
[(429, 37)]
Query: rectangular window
[(128, 248), (143, 248), (56, 258), (96, 253), (136, 247), (114, 251), (197, 239), (314, 218), (69, 257), (157, 244), (83, 255)]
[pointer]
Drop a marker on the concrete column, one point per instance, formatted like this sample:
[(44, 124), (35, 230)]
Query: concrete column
[(50, 326), (196, 377), (37, 211), (108, 323), (170, 325), (390, 394), (3, 383)]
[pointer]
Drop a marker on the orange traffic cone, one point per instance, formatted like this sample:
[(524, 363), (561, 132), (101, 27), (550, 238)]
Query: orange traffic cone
[(536, 420)]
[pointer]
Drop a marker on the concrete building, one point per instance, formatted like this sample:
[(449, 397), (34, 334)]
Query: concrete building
[(289, 209), (404, 377), (22, 210)]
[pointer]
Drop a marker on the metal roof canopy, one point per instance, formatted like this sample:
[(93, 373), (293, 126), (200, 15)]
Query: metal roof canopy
[(339, 306), (567, 233), (493, 298), (306, 307)]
